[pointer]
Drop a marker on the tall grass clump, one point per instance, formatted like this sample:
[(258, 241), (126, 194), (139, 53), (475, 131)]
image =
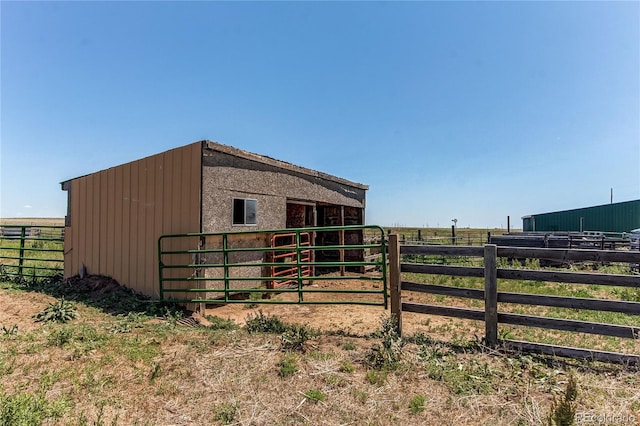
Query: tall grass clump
[(563, 411), (387, 354), (261, 323)]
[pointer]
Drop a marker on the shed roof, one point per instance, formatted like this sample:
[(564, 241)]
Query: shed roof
[(230, 150), (215, 146)]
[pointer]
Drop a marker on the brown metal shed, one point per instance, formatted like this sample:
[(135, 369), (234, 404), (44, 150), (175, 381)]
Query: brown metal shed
[(115, 216)]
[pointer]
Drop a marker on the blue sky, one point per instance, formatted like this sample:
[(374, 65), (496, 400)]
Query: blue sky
[(472, 111)]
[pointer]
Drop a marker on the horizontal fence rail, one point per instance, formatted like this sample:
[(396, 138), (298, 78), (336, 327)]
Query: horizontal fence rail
[(491, 272), (31, 251), (217, 267)]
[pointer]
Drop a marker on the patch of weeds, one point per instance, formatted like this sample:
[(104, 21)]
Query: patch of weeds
[(349, 346), (376, 377), (90, 338), (505, 333), (563, 411), (60, 337), (200, 345), (120, 327), (334, 380), (288, 365), (218, 323), (295, 337), (172, 314), (155, 372), (416, 405), (314, 395), (320, 356), (10, 331), (226, 413), (127, 322), (461, 379), (61, 311), (253, 298), (432, 351), (136, 349), (387, 354), (30, 409), (153, 308), (347, 367), (261, 323), (629, 295), (165, 389), (582, 292), (359, 395), (7, 366)]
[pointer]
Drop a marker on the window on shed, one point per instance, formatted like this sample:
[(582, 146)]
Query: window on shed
[(245, 211)]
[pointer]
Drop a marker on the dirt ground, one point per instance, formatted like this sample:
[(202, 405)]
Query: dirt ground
[(351, 319), (20, 311)]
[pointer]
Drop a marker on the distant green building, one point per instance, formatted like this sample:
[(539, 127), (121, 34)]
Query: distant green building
[(615, 217)]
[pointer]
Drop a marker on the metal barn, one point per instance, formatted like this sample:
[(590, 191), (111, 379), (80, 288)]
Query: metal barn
[(615, 217), (115, 216)]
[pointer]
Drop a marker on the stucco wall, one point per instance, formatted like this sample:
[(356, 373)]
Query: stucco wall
[(225, 176)]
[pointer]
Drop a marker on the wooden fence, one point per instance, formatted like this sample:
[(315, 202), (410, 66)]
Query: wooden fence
[(491, 273)]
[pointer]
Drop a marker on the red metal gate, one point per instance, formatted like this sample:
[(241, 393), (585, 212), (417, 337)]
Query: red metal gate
[(289, 259)]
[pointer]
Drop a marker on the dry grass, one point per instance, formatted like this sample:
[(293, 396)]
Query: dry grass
[(49, 221), (139, 369)]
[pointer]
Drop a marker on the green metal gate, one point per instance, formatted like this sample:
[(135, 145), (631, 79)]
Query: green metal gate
[(221, 267), (31, 251)]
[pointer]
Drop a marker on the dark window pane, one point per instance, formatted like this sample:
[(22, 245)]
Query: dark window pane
[(238, 211)]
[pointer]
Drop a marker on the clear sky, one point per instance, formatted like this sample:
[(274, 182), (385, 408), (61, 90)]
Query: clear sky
[(472, 111)]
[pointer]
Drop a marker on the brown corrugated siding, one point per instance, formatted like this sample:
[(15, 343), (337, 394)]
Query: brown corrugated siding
[(118, 214)]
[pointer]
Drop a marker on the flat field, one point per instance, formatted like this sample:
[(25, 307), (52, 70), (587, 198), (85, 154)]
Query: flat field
[(42, 221), (125, 360)]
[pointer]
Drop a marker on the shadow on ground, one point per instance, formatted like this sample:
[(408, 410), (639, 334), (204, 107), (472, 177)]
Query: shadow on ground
[(99, 292)]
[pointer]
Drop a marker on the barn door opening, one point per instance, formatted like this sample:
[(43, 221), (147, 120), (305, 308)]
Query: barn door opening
[(336, 215), (300, 215)]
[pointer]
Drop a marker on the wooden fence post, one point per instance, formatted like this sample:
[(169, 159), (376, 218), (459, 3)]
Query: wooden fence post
[(395, 280), (490, 294)]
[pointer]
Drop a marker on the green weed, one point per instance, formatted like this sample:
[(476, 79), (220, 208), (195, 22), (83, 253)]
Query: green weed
[(295, 337), (60, 337), (26, 409), (10, 331), (155, 372), (375, 377), (218, 323), (226, 413), (348, 346), (629, 295), (261, 323), (347, 367), (387, 354), (416, 405), (61, 311), (461, 378), (288, 365), (314, 395), (563, 411)]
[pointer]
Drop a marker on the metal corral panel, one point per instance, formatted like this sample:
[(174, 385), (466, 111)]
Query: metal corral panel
[(116, 215), (617, 217)]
